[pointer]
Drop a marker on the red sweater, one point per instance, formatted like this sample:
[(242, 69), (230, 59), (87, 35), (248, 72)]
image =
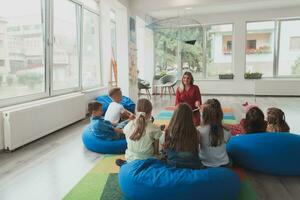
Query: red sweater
[(190, 96)]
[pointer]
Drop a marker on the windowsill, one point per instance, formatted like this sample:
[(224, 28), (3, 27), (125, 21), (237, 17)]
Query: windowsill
[(214, 79)]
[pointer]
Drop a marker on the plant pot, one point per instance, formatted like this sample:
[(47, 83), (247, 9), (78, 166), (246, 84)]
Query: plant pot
[(252, 76), (226, 76)]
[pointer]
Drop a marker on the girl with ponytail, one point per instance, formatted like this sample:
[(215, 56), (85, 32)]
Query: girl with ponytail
[(141, 134), (214, 135)]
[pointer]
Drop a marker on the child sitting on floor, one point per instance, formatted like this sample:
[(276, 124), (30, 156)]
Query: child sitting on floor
[(116, 110), (276, 121), (141, 135), (213, 135), (182, 140), (254, 121), (102, 128)]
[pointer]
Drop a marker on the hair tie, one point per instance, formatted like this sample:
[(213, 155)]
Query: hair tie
[(141, 114)]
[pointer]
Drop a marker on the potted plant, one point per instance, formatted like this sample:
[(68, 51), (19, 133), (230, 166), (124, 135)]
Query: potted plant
[(226, 76), (255, 75)]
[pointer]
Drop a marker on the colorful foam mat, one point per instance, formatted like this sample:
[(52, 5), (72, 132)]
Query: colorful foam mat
[(165, 115)]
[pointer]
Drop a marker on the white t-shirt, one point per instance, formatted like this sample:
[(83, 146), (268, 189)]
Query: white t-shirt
[(142, 148), (114, 112), (212, 156)]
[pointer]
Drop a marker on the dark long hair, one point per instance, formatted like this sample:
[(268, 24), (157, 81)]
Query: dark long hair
[(181, 134), (255, 121), (276, 117), (144, 107), (212, 115)]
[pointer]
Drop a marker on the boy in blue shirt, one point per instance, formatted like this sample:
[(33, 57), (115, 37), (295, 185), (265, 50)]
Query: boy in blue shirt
[(102, 128)]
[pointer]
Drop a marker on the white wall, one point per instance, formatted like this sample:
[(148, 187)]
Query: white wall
[(239, 85), (122, 42), (1, 132), (145, 54)]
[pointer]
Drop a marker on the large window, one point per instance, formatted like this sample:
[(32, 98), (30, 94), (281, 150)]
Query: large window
[(289, 51), (166, 47), (273, 54), (205, 51), (22, 52), (191, 44), (66, 45), (260, 47), (90, 50), (45, 47), (219, 50)]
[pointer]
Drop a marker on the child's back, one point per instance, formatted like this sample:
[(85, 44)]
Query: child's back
[(213, 156), (102, 128), (142, 148), (213, 135), (115, 110), (113, 113)]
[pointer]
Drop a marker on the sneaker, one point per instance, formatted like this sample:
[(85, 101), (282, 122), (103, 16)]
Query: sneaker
[(120, 162)]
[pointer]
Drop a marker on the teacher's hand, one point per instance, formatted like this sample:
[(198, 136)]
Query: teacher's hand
[(197, 104)]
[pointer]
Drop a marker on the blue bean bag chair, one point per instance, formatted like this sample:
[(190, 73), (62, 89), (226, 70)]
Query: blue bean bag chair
[(93, 143), (126, 102), (151, 179), (272, 153)]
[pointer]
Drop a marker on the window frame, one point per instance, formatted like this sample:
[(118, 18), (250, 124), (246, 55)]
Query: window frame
[(276, 48), (47, 13), (84, 89), (205, 32), (30, 97), (205, 76)]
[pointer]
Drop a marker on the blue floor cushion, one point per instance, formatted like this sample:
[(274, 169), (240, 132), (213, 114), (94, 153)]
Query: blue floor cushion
[(105, 100), (151, 179), (93, 143), (273, 153)]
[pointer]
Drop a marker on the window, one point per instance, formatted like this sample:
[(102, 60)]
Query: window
[(289, 48), (205, 59), (219, 48), (260, 47), (66, 45), (90, 50), (23, 70), (192, 51), (17, 77), (166, 47)]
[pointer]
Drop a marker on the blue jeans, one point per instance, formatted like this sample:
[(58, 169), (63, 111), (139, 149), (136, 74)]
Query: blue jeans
[(183, 159)]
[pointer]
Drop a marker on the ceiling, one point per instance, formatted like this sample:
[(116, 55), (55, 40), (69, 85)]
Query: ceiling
[(172, 8)]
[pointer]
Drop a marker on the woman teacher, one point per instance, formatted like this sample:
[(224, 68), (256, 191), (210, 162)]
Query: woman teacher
[(189, 93)]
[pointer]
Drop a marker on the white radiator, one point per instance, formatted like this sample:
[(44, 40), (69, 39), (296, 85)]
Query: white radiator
[(28, 122)]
